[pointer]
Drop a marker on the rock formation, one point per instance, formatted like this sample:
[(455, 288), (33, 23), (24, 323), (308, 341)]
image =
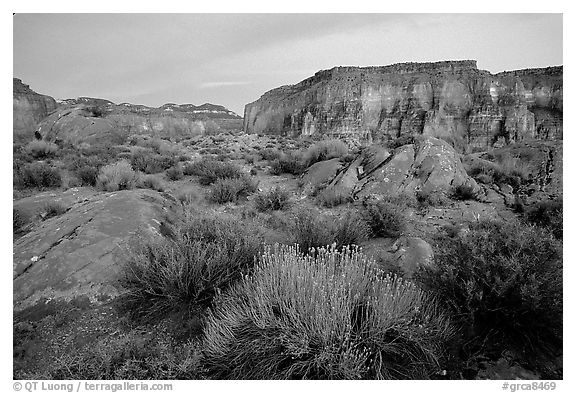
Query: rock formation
[(453, 100), (29, 108), (429, 166), (78, 254), (95, 119)]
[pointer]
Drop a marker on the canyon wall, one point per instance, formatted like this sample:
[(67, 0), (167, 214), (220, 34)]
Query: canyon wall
[(453, 100), (29, 108)]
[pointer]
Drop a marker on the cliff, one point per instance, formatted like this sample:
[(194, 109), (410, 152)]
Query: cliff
[(29, 108), (453, 100), (95, 119)]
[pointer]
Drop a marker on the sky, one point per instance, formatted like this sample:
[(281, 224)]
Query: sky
[(232, 59)]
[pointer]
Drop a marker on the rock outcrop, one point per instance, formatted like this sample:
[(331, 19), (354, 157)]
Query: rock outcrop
[(453, 100), (93, 120), (429, 166), (78, 254), (29, 108)]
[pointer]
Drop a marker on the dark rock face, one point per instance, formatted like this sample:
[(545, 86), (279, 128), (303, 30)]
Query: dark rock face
[(94, 120), (80, 252), (453, 100), (29, 108)]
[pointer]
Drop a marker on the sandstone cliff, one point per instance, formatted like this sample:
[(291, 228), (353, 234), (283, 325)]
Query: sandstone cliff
[(453, 100), (29, 108)]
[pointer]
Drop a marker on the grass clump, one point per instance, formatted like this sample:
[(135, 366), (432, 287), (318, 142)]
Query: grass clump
[(209, 170), (463, 192), (53, 209), (275, 199), (332, 197), (118, 176), (503, 282), (20, 220), (230, 190), (311, 229), (40, 149), (37, 175), (150, 162), (547, 214), (385, 219), (175, 173), (205, 255), (287, 163), (325, 150), (330, 315), (153, 182)]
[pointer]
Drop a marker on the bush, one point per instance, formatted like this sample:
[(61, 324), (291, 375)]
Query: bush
[(325, 150), (53, 209), (275, 199), (148, 162), (37, 174), (20, 220), (133, 356), (326, 316), (547, 214), (88, 175), (384, 218), (40, 149), (153, 182), (230, 190), (503, 282), (287, 163), (310, 229), (270, 154), (332, 196), (209, 170), (187, 197), (463, 192), (207, 254), (431, 198), (118, 176), (175, 173)]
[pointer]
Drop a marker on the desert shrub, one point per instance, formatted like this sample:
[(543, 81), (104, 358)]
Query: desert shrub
[(118, 176), (20, 220), (209, 170), (325, 150), (205, 255), (153, 182), (188, 197), (230, 190), (503, 282), (431, 198), (37, 174), (53, 209), (330, 315), (270, 154), (463, 192), (275, 199), (505, 170), (287, 163), (88, 175), (175, 173), (133, 356), (332, 196), (547, 214), (310, 229), (40, 149), (148, 162), (384, 218)]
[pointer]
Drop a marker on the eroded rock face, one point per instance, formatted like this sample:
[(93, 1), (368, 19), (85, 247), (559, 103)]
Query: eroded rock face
[(430, 165), (29, 108), (79, 253), (94, 120), (454, 100)]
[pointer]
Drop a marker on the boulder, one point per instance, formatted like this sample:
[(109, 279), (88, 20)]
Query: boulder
[(79, 254), (410, 253)]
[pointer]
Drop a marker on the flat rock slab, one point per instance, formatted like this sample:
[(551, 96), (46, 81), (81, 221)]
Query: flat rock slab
[(79, 253)]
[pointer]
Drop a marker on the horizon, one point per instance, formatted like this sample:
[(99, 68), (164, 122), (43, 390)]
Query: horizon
[(59, 54)]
